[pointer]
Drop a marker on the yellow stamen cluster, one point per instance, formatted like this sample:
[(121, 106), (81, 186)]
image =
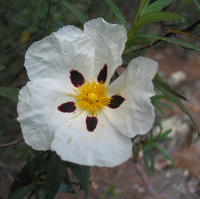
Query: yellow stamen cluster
[(92, 96)]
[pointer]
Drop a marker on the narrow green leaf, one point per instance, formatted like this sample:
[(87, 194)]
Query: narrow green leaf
[(197, 5), (157, 6), (118, 14), (148, 145), (176, 100), (160, 109), (151, 158), (77, 14), (66, 189), (159, 82), (114, 77), (23, 179), (175, 41), (81, 172), (21, 193), (137, 41), (164, 152), (31, 166), (39, 192), (165, 106), (54, 175), (10, 93), (141, 10), (178, 26), (163, 139), (127, 56), (67, 181), (166, 133), (43, 168), (2, 67), (154, 17), (146, 161)]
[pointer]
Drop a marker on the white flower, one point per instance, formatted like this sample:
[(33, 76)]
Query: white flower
[(69, 106)]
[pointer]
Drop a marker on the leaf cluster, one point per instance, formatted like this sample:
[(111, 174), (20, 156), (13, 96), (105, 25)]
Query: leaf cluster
[(45, 174)]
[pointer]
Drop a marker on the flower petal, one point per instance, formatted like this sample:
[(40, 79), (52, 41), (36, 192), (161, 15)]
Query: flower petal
[(136, 114), (105, 146), (38, 111), (54, 56), (109, 40)]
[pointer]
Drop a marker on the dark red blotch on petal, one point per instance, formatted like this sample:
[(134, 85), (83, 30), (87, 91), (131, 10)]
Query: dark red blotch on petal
[(91, 123), (103, 74), (67, 107), (116, 101), (77, 78)]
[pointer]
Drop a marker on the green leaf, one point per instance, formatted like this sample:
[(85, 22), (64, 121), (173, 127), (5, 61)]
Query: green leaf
[(178, 26), (164, 152), (141, 10), (66, 189), (54, 175), (160, 85), (151, 160), (77, 14), (166, 133), (114, 77), (67, 182), (2, 67), (118, 14), (23, 179), (165, 106), (176, 100), (39, 192), (10, 93), (157, 6), (146, 161), (81, 172), (31, 166), (197, 5), (43, 167), (137, 41), (127, 56), (175, 41), (21, 193), (163, 139), (154, 17), (148, 145)]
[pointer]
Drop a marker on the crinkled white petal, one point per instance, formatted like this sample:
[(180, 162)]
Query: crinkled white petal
[(136, 114), (55, 55), (109, 40), (105, 146), (38, 112)]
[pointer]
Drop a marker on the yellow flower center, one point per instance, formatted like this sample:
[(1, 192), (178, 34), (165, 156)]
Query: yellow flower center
[(92, 96)]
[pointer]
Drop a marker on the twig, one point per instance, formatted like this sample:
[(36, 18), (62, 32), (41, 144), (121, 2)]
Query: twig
[(188, 29), (145, 178), (11, 143)]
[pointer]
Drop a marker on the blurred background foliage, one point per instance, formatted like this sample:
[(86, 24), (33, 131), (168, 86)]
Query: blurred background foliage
[(23, 22)]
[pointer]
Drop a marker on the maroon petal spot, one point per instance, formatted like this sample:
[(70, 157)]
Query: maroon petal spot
[(91, 123), (77, 78), (103, 74), (116, 101), (67, 107)]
